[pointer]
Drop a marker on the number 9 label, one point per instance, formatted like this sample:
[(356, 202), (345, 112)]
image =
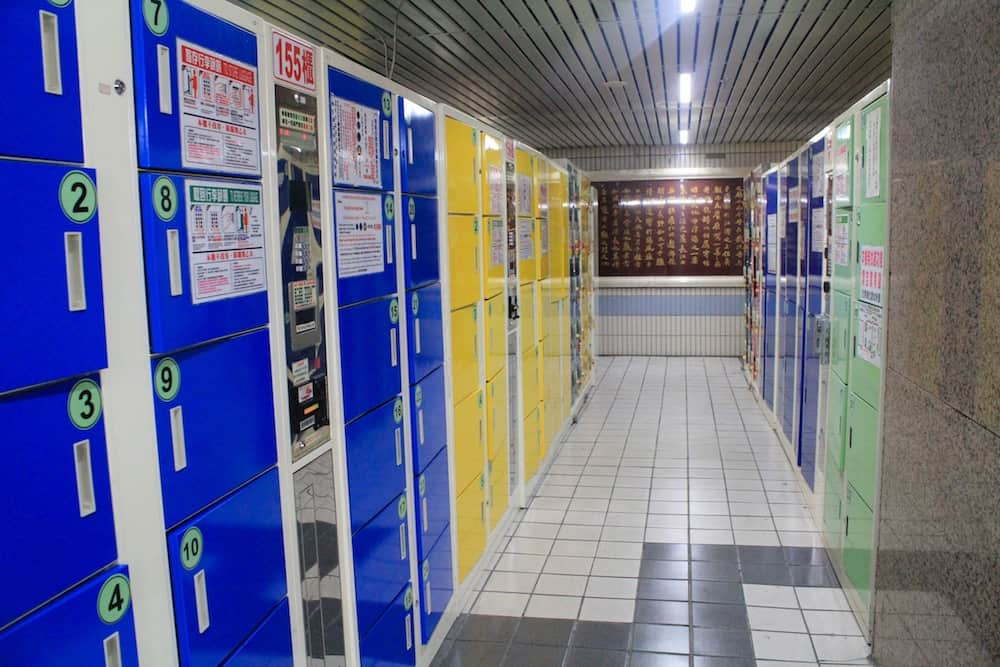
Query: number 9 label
[(167, 379)]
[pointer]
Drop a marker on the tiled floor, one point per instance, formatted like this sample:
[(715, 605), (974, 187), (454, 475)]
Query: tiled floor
[(670, 530)]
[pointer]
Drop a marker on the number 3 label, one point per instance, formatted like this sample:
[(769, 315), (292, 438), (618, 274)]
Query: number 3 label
[(85, 404), (167, 379)]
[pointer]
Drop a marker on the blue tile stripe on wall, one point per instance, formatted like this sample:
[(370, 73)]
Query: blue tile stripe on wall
[(670, 304)]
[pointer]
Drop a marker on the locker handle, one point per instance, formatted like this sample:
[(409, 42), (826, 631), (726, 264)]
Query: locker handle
[(174, 262), (850, 437), (112, 651), (177, 437), (416, 334), (409, 146), (475, 258), (84, 478), (427, 596), (77, 294), (413, 241), (420, 425), (402, 541), (388, 244), (163, 79), (393, 356), (475, 345), (409, 633), (385, 139), (399, 449), (423, 510), (201, 601), (51, 65)]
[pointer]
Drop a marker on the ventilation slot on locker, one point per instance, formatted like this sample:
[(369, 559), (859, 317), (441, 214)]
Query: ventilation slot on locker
[(52, 71)]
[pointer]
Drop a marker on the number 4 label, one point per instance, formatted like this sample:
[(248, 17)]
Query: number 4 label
[(294, 61)]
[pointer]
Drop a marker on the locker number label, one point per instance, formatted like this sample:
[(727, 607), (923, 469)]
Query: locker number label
[(397, 410), (401, 507), (394, 311), (418, 395), (157, 16), (389, 207), (415, 303), (408, 598), (78, 196), (411, 209), (168, 379), (114, 599), (164, 199), (386, 103), (85, 404), (60, 3), (192, 544), (294, 61), (423, 485), (427, 569)]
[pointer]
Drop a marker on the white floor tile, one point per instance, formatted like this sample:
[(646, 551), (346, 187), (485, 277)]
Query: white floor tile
[(583, 548), (840, 649), (794, 523), (613, 611), (792, 539), (714, 508), (500, 604), (528, 545), (667, 535), (782, 646), (615, 567), (708, 522), (553, 606), (712, 537), (629, 506), (588, 505), (543, 516), (822, 598), (770, 596), (612, 587), (568, 565), (537, 530), (511, 582), (776, 619), (831, 623), (753, 522), (631, 550), (622, 534), (550, 503), (561, 584), (667, 521), (584, 518), (579, 533), (520, 563), (763, 538)]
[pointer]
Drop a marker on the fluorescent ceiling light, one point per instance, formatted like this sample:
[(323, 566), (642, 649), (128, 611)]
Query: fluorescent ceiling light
[(687, 6), (683, 136), (684, 88)]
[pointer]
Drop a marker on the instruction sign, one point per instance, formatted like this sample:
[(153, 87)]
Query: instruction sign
[(495, 182), (873, 149), (841, 192), (869, 333), (841, 241), (772, 242), (818, 229), (818, 178), (497, 242), (872, 265), (360, 235), (225, 224), (524, 195), (219, 120), (357, 144), (525, 239)]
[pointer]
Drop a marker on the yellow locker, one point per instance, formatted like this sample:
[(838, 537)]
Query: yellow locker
[(464, 239), (531, 445), (464, 351), (531, 377), (499, 488), (527, 311), (540, 313), (462, 151), (496, 414), (494, 256), (496, 335), (539, 196), (469, 437), (470, 513)]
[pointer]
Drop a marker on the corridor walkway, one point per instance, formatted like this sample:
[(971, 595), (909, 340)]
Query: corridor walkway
[(669, 531)]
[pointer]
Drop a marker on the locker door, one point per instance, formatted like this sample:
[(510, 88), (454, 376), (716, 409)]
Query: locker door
[(420, 240), (190, 300), (494, 256), (527, 309), (859, 540), (369, 354), (463, 259), (270, 645), (375, 452), (531, 378), (55, 491), (527, 251), (842, 252), (417, 149), (462, 146), (196, 110), (426, 331), (91, 625), (436, 585), (361, 133), (837, 422), (428, 420), (874, 151), (381, 565), (51, 301), (499, 484), (833, 508), (365, 240), (861, 457), (464, 351), (391, 643), (433, 503), (496, 415), (496, 335), (471, 517), (212, 559), (840, 334), (469, 436), (212, 400), (40, 37)]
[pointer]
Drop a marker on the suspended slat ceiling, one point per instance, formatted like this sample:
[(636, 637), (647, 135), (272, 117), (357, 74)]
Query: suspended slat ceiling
[(579, 73)]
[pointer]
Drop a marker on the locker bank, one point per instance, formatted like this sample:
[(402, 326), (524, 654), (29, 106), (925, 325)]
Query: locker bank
[(499, 333)]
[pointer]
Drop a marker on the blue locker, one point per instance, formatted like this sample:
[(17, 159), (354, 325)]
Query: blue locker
[(420, 241), (365, 245), (181, 314), (436, 584), (55, 491), (390, 643), (196, 85), (417, 149), (227, 571), (40, 47), (369, 355), (789, 301), (375, 452), (270, 645), (770, 291), (381, 562), (426, 331), (361, 133), (433, 503), (51, 302), (214, 420), (428, 420), (91, 625)]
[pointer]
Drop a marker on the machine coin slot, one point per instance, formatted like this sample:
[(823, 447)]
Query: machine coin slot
[(74, 271), (177, 438), (201, 601), (163, 79), (174, 262), (51, 67), (84, 478), (112, 651)]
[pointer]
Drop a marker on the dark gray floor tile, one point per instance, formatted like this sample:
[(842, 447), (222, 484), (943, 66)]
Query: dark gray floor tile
[(712, 661), (663, 589), (758, 554), (595, 657), (548, 631), (710, 615), (663, 569), (815, 556), (474, 654), (661, 611), (665, 551), (660, 638), (532, 655), (443, 652), (724, 552), (480, 627), (456, 627), (724, 592), (658, 660), (732, 643), (598, 634), (807, 575), (771, 574), (715, 571)]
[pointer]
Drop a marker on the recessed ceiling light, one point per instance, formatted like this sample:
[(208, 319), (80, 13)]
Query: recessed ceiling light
[(684, 88), (687, 6), (683, 136), (614, 83)]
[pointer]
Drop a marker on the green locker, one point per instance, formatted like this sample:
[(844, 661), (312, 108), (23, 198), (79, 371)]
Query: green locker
[(842, 252), (840, 335), (874, 153), (862, 447), (836, 422), (833, 510), (859, 539), (843, 164), (869, 254)]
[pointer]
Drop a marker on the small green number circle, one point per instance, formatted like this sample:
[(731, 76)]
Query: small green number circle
[(475, 314), (192, 546), (408, 599), (78, 196), (386, 103), (84, 404), (60, 3), (401, 507), (423, 486), (475, 225), (418, 395), (394, 311), (114, 599), (427, 569), (164, 199), (167, 379), (397, 410), (415, 303), (389, 207), (157, 16), (411, 209)]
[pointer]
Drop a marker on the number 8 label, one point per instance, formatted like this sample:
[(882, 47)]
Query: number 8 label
[(164, 199)]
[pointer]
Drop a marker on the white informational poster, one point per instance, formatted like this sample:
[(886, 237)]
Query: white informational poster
[(869, 333), (509, 154), (543, 234), (300, 371), (872, 264), (360, 234), (303, 297), (524, 195), (225, 225), (772, 242), (498, 241), (219, 121), (873, 148), (494, 180), (818, 229), (357, 144), (841, 255), (818, 176), (841, 188), (525, 239)]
